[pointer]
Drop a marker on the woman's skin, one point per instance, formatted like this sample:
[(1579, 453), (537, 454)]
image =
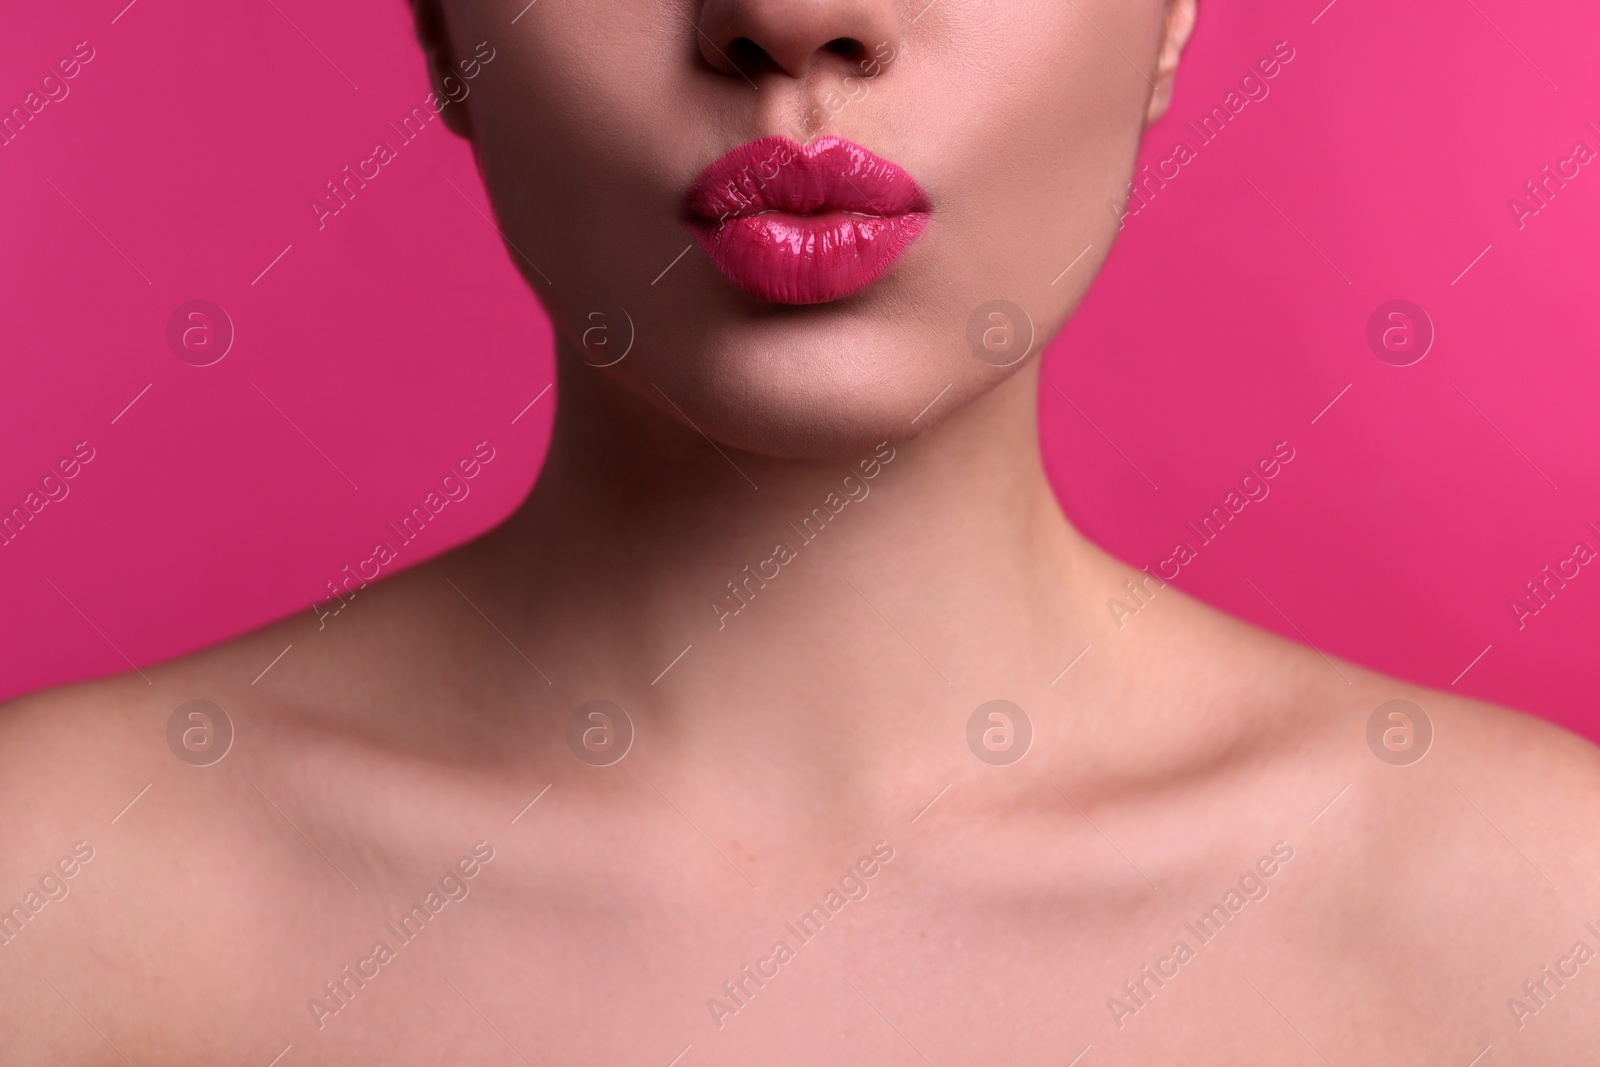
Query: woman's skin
[(1184, 754)]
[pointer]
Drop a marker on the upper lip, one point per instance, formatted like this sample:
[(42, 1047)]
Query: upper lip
[(780, 174)]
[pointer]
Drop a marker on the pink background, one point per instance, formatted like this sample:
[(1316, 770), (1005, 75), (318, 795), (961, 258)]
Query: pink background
[(1232, 312)]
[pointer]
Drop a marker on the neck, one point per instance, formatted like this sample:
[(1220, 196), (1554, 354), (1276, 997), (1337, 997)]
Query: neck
[(839, 596)]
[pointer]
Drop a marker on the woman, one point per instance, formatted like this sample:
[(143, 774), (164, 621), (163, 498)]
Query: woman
[(785, 722)]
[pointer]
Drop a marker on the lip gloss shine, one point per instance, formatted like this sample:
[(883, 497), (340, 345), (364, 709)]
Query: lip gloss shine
[(804, 224)]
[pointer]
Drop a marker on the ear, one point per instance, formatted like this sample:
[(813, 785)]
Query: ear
[(1180, 23), (434, 36)]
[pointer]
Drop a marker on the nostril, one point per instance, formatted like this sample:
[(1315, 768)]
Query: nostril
[(795, 38), (848, 47), (746, 55)]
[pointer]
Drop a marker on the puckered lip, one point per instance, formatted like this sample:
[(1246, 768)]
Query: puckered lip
[(804, 224), (830, 174)]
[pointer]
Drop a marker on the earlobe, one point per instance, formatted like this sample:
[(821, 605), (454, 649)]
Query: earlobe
[(439, 53), (1175, 35)]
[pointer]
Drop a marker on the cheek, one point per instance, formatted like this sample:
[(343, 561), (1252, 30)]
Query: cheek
[(1037, 149), (589, 135)]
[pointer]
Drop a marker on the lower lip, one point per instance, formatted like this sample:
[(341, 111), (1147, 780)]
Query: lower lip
[(806, 259), (792, 258)]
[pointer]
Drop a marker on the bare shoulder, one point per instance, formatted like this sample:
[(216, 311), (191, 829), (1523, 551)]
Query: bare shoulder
[(66, 753), (63, 745), (1414, 757), (1512, 800), (121, 854), (1507, 771), (1547, 772), (1450, 866), (74, 758), (1315, 710), (202, 825)]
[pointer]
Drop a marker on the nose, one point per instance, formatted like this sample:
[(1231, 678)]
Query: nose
[(795, 37)]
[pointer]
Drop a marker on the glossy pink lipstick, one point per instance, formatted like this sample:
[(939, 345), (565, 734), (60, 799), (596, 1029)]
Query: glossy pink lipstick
[(804, 224)]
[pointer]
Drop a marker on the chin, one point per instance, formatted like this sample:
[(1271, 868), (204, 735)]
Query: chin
[(807, 396), (815, 381)]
